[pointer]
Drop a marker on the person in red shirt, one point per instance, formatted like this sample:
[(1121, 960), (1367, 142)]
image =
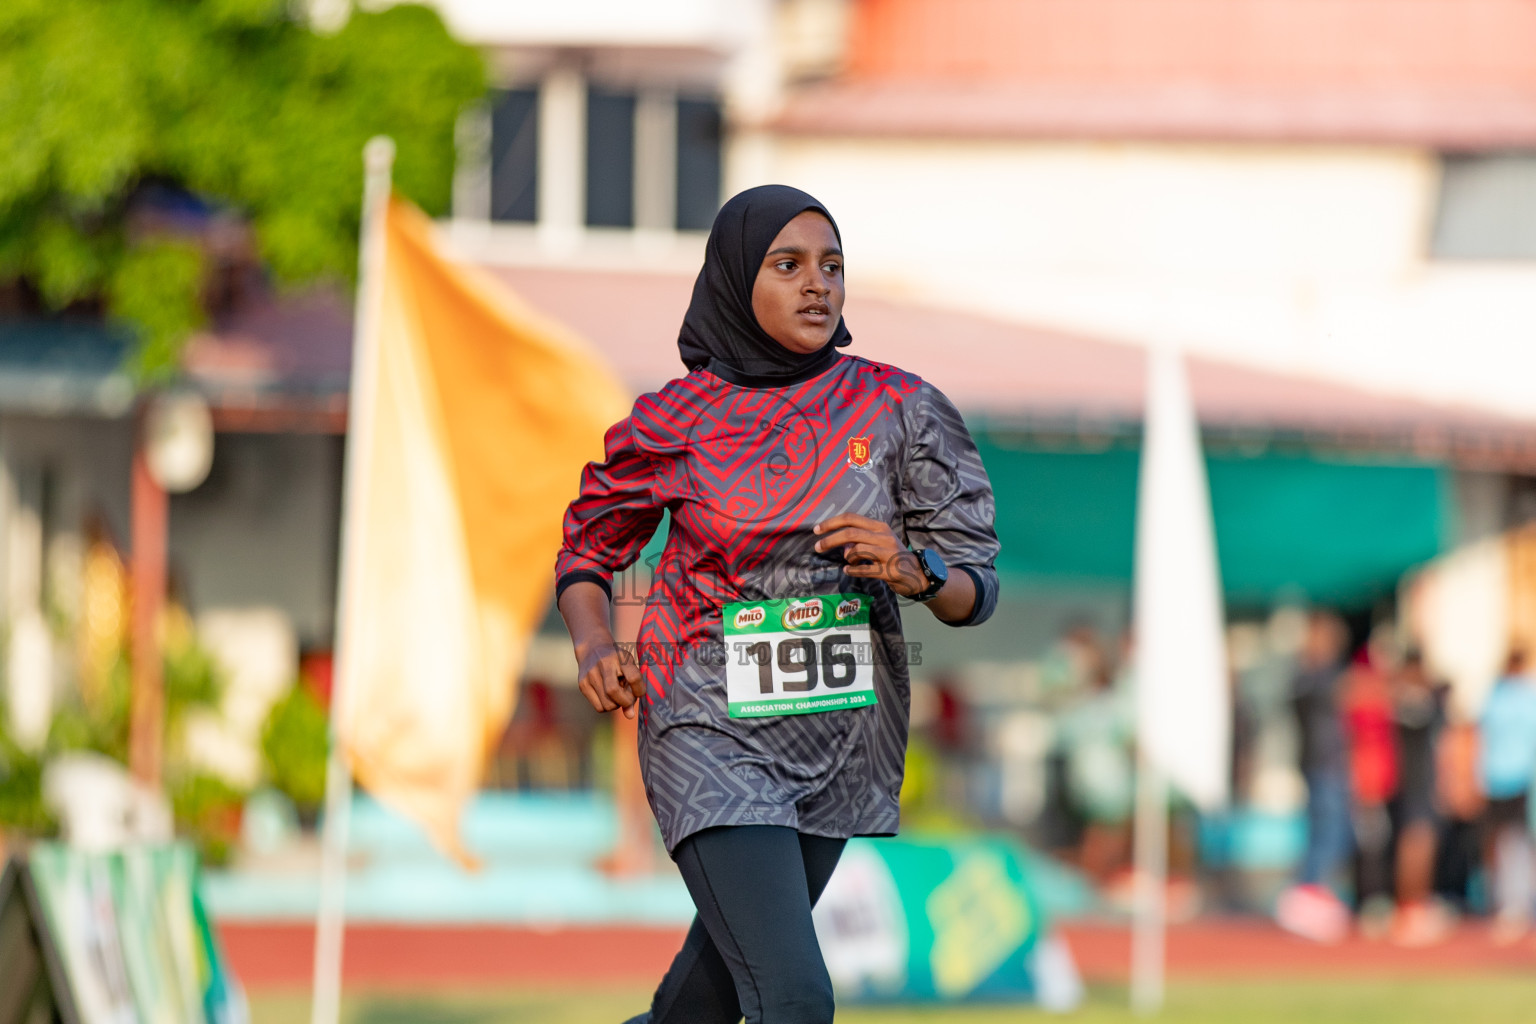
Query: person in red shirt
[(1371, 731)]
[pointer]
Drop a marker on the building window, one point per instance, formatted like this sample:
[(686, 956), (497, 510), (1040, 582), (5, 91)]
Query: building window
[(1487, 207), (515, 155), (610, 159), (698, 163), (632, 159)]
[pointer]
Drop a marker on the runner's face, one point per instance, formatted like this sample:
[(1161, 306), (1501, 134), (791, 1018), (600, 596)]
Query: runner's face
[(798, 295)]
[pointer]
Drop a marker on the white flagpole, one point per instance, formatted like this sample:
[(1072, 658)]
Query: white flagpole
[(330, 921), (1148, 957)]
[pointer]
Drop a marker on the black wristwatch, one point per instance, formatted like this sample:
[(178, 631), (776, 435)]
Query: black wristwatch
[(934, 572)]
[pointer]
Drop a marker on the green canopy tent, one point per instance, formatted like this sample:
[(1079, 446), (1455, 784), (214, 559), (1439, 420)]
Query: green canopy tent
[(1332, 530)]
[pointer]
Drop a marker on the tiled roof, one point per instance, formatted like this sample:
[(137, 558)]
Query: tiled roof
[(278, 362), (57, 365), (1461, 119), (1300, 43), (1041, 380), (282, 363), (1437, 72)]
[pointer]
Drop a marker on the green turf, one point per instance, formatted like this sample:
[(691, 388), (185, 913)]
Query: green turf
[(1494, 1000)]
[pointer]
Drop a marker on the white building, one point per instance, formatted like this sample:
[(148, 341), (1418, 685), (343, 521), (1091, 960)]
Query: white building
[(1339, 189)]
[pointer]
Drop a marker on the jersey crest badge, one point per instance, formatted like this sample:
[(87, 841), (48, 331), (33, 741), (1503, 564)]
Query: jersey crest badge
[(858, 451)]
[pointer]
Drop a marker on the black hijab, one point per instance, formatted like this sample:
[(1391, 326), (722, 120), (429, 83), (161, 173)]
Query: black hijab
[(720, 332)]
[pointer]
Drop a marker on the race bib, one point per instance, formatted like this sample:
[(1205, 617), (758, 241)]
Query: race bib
[(798, 656)]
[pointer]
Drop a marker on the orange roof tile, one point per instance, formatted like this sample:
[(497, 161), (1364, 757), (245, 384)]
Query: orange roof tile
[(1444, 119), (1039, 379), (1308, 44), (281, 363), (1455, 73)]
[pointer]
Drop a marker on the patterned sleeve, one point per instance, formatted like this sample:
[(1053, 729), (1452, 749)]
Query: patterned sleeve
[(612, 518), (946, 498)]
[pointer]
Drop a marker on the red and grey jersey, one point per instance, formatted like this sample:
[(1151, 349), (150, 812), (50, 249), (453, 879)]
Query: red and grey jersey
[(747, 473)]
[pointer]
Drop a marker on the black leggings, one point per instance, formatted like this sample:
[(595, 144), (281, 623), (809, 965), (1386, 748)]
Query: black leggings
[(752, 949)]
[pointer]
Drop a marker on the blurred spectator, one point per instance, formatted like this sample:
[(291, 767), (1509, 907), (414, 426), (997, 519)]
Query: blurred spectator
[(1459, 794), (1225, 870), (1095, 736), (1072, 666), (1245, 736), (1508, 764), (1366, 703), (951, 727), (956, 737), (548, 743), (1418, 712), (1309, 908)]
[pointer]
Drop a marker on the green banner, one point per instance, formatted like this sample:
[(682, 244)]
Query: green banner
[(905, 920), (132, 936)]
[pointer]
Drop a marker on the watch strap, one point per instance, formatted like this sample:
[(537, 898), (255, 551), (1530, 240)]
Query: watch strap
[(935, 584)]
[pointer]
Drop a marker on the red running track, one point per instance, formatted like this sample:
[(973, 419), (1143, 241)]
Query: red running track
[(378, 956)]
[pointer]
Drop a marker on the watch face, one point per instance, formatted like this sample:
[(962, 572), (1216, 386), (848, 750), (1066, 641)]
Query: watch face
[(934, 565)]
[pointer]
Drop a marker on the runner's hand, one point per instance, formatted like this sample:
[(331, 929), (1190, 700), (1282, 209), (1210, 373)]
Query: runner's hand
[(873, 551), (610, 679)]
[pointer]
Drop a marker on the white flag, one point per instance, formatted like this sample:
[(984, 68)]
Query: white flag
[(1183, 704)]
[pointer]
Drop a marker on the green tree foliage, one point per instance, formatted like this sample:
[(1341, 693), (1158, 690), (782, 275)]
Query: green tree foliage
[(235, 100), (294, 743), (21, 790)]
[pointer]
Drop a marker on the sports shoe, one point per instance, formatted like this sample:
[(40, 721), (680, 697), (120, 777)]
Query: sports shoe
[(1418, 925), (1375, 918), (1509, 929), (1312, 912)]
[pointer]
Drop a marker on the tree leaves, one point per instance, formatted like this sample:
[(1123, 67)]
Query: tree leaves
[(66, 264), (155, 286), (234, 100)]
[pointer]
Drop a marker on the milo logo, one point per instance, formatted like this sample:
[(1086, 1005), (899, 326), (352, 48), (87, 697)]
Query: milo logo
[(802, 614), (849, 608), (750, 617)]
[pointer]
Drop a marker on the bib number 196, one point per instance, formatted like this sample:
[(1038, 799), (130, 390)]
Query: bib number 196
[(798, 656)]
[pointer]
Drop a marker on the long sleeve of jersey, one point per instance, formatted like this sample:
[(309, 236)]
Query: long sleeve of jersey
[(613, 517), (746, 474), (945, 496)]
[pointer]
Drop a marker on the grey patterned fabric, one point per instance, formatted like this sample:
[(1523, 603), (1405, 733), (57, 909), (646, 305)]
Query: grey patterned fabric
[(747, 473)]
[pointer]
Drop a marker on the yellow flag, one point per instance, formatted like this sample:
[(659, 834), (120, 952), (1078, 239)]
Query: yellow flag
[(473, 421)]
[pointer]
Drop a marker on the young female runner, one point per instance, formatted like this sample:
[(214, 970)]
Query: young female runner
[(808, 490)]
